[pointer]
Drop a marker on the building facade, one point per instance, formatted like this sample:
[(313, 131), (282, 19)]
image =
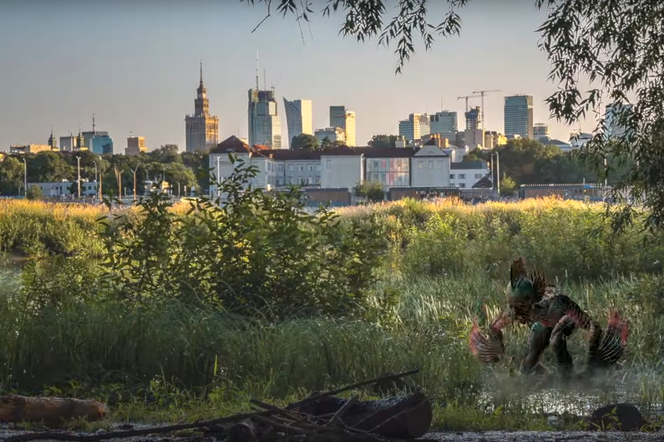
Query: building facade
[(345, 119), (474, 118), (299, 118), (135, 146), (264, 120), (466, 174), (344, 168), (29, 148), (201, 128), (519, 116), (540, 131), (444, 122), (415, 127)]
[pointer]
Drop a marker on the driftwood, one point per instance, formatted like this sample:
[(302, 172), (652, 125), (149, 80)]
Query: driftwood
[(319, 417), (50, 410)]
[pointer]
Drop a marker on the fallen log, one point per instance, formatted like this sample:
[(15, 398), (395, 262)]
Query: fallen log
[(327, 419), (49, 410)]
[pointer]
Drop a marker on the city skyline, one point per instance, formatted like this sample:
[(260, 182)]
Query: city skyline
[(139, 78)]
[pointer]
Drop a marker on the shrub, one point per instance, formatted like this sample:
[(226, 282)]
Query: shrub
[(257, 252)]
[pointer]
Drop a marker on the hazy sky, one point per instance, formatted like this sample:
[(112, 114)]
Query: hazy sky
[(134, 63)]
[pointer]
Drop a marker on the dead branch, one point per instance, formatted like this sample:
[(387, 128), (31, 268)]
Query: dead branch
[(288, 420)]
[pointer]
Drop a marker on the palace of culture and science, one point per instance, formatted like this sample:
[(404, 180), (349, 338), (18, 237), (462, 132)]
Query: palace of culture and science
[(202, 129)]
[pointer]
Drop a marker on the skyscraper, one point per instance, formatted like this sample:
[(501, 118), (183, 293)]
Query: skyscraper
[(474, 118), (415, 127), (345, 119), (519, 116), (612, 112), (444, 121), (299, 118), (264, 121), (202, 129)]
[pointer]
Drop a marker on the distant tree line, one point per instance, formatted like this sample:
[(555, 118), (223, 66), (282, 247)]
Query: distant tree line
[(166, 163)]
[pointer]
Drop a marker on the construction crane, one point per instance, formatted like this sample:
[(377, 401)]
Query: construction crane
[(482, 93), (467, 97)]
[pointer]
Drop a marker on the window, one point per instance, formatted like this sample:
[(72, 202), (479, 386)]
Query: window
[(317, 180), (281, 167), (300, 168), (310, 167), (478, 176), (439, 164), (420, 164), (462, 185), (462, 176), (328, 164), (290, 167), (451, 176), (430, 164)]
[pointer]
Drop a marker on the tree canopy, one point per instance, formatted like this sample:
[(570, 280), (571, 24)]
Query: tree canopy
[(614, 44)]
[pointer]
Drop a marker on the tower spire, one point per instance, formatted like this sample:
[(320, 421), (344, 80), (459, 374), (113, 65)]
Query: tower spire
[(257, 86), (94, 125), (201, 68)]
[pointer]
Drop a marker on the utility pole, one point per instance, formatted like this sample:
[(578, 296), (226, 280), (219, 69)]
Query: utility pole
[(78, 161), (25, 178), (118, 177), (498, 171)]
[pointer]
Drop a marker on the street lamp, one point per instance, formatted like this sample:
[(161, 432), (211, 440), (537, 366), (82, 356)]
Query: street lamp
[(218, 174), (498, 171), (78, 160), (25, 177), (135, 170)]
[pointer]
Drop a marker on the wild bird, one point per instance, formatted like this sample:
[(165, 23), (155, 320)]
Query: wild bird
[(552, 318)]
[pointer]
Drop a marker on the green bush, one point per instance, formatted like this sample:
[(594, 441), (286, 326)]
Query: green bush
[(259, 252)]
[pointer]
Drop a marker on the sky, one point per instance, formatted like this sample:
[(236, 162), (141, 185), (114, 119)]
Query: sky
[(135, 65)]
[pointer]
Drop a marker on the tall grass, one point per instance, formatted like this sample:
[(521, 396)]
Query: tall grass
[(445, 259)]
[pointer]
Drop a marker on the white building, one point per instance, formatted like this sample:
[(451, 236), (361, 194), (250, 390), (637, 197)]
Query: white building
[(341, 168), (345, 167), (219, 162), (66, 188), (466, 174), (431, 167)]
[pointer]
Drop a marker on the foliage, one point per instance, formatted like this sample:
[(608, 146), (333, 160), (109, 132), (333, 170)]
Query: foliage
[(327, 144), (507, 186), (34, 193), (371, 190), (383, 141), (365, 20), (11, 176), (255, 251), (304, 142), (531, 162), (617, 46)]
